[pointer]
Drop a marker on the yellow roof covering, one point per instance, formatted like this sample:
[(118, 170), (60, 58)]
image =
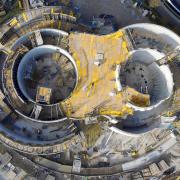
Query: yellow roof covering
[(96, 84)]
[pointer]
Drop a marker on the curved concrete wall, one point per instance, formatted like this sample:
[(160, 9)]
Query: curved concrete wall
[(162, 92), (40, 120), (164, 86), (25, 140), (52, 32), (161, 76), (167, 35), (36, 52)]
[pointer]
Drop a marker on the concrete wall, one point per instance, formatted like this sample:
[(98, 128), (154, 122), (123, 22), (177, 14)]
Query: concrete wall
[(162, 75)]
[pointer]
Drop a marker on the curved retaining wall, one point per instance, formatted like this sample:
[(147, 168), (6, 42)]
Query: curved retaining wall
[(37, 52), (146, 115), (167, 35), (35, 147)]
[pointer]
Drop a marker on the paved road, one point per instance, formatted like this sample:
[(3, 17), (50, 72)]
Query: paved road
[(124, 13)]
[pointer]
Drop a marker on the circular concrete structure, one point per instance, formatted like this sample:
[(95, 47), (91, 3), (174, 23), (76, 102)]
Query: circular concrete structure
[(39, 128), (143, 73), (152, 43), (146, 76), (47, 68), (50, 67)]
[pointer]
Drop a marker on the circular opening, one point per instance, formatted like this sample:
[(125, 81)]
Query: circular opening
[(47, 75), (142, 73)]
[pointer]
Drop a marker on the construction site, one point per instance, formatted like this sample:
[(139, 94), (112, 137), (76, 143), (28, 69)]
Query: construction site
[(87, 101)]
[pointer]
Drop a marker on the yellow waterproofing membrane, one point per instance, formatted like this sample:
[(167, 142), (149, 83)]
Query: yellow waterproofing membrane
[(96, 91), (137, 98)]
